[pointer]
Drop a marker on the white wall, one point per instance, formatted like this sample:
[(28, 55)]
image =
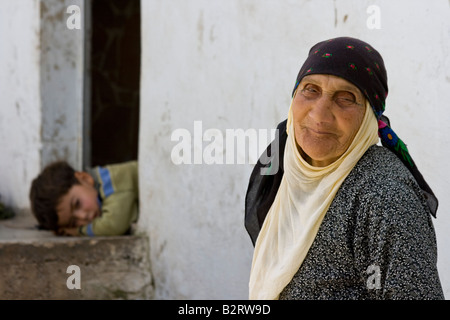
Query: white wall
[(20, 104), (41, 85), (232, 64)]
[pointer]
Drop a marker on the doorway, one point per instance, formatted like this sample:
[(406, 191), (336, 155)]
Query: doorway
[(114, 84)]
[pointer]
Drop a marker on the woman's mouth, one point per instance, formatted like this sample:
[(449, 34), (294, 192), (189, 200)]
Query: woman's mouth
[(320, 131)]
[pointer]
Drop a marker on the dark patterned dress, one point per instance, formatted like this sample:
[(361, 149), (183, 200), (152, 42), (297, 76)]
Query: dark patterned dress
[(377, 240)]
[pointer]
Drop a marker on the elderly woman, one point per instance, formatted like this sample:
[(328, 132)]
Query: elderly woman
[(341, 217)]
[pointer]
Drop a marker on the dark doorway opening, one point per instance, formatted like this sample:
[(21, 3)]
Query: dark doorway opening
[(115, 51)]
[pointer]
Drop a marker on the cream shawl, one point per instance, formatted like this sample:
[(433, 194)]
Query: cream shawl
[(303, 198)]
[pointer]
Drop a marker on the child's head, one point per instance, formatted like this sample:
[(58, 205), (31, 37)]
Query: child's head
[(63, 198)]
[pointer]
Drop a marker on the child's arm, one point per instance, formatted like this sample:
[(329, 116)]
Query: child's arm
[(118, 213)]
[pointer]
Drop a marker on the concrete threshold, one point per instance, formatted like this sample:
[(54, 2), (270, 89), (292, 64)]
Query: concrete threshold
[(37, 265)]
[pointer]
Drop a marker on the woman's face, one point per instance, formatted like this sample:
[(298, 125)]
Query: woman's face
[(327, 113)]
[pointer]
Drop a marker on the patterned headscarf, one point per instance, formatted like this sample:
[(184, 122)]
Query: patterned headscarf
[(359, 63)]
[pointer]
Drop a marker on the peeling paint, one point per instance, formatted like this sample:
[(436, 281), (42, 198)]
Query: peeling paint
[(335, 14), (61, 87), (200, 31), (212, 37), (345, 18)]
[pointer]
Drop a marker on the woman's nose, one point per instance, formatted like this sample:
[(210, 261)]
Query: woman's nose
[(320, 111)]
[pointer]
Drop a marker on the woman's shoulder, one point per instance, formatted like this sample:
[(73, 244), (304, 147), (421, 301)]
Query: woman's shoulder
[(381, 176), (380, 164), (381, 172)]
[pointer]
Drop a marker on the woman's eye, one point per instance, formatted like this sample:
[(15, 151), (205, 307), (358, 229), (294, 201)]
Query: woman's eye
[(310, 92), (346, 99)]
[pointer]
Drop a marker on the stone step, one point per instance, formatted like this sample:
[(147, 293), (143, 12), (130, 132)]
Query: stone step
[(37, 265)]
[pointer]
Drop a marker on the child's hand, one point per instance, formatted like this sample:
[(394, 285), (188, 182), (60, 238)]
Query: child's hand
[(71, 232)]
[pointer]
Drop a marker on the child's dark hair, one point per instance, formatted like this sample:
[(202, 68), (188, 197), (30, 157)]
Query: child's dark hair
[(46, 191)]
